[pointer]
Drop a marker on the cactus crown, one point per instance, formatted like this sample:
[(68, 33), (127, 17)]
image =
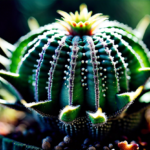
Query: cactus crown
[(81, 23)]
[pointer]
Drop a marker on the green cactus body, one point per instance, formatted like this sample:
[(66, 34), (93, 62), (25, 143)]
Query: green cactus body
[(78, 74)]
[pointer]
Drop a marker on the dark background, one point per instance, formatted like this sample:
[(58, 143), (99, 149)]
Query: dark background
[(14, 13)]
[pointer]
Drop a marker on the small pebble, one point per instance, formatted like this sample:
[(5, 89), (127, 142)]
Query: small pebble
[(67, 139), (98, 146), (91, 148), (58, 148), (46, 145), (48, 139), (105, 148), (62, 144), (110, 145)]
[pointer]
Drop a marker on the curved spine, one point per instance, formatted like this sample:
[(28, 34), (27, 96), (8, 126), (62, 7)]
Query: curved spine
[(38, 68), (74, 56), (95, 70), (53, 66), (41, 61)]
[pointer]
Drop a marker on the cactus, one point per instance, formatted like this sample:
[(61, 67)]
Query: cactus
[(81, 69)]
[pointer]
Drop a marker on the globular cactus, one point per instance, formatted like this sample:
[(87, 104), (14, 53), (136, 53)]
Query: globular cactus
[(81, 70)]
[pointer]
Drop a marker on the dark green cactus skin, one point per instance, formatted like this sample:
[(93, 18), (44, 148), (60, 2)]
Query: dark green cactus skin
[(8, 144), (55, 69)]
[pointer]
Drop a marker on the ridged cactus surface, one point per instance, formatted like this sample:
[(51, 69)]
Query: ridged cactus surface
[(79, 68)]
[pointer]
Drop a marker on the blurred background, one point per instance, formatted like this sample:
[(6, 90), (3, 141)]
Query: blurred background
[(15, 13)]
